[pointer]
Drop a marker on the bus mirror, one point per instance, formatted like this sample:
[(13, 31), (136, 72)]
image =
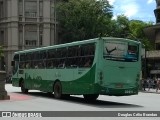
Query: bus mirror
[(13, 63)]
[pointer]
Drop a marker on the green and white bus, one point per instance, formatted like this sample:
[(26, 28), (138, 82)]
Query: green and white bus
[(100, 66)]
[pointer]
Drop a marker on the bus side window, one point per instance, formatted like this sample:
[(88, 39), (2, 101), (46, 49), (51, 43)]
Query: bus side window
[(22, 65), (42, 59), (28, 60), (87, 55), (51, 64), (50, 57), (61, 65), (87, 63), (27, 65), (22, 61), (72, 57), (15, 63)]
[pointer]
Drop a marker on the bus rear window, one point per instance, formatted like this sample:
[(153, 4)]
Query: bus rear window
[(120, 51), (132, 49), (132, 53)]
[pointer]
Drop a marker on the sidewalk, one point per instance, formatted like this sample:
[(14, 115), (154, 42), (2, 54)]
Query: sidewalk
[(150, 91)]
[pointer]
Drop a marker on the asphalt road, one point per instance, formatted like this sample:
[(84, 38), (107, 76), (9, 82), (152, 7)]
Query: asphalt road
[(38, 101)]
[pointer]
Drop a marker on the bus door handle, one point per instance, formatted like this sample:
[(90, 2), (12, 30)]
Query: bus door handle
[(121, 67)]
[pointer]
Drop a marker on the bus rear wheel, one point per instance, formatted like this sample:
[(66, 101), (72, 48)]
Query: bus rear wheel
[(57, 90), (23, 89), (90, 97)]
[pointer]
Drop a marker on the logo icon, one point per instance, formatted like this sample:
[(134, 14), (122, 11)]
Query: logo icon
[(6, 114)]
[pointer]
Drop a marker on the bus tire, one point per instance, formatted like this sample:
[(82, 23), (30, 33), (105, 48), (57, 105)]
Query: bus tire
[(90, 97), (23, 89), (58, 90)]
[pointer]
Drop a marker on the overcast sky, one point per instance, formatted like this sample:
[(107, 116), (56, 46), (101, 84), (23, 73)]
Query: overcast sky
[(135, 9)]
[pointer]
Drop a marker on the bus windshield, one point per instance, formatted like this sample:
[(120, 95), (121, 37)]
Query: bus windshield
[(120, 51)]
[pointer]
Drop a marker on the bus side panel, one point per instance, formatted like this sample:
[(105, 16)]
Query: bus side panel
[(15, 82), (52, 75), (47, 85), (35, 80), (19, 75), (83, 85)]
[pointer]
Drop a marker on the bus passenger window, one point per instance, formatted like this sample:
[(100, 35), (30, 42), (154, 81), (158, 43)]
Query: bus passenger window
[(22, 65), (27, 65), (40, 65), (61, 65), (88, 62), (49, 64), (15, 67)]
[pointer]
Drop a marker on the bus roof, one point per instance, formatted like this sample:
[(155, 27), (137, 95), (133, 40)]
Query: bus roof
[(73, 43)]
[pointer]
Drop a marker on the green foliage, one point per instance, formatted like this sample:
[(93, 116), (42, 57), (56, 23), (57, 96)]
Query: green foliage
[(136, 30), (83, 19), (149, 45), (120, 27), (132, 29)]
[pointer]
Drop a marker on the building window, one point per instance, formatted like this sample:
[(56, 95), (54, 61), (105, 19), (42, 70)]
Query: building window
[(1, 37), (20, 35), (31, 35), (20, 8), (31, 9), (30, 42), (41, 39), (41, 35), (31, 38), (41, 9), (1, 9), (53, 12)]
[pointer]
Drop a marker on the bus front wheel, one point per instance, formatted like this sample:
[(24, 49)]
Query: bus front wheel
[(90, 97), (57, 90), (23, 89)]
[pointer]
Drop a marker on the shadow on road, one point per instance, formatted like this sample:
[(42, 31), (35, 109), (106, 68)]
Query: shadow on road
[(79, 100)]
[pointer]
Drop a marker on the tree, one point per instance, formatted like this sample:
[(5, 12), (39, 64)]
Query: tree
[(83, 19), (136, 29), (120, 27), (132, 29)]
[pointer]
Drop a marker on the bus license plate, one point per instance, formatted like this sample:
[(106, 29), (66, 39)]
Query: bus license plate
[(128, 91)]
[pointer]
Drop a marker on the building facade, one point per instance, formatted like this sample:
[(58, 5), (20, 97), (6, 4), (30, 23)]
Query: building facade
[(153, 57), (26, 24)]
